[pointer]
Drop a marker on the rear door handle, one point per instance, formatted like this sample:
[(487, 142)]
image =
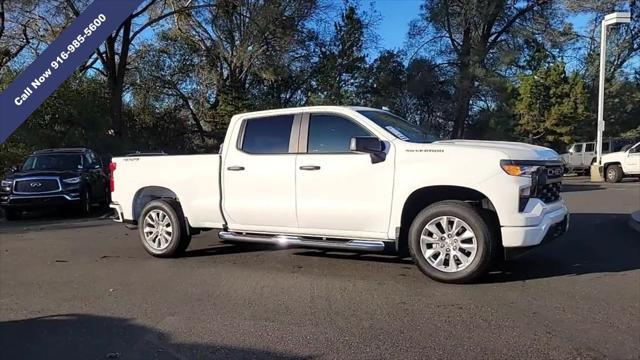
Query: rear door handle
[(310, 167), (235, 168)]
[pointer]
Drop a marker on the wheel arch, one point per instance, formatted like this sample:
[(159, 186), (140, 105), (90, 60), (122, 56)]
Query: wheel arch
[(607, 164), (423, 197), (147, 194)]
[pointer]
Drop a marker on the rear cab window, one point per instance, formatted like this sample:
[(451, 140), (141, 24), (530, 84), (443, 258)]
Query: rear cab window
[(267, 135)]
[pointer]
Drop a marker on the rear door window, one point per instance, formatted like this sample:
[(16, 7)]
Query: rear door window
[(267, 135)]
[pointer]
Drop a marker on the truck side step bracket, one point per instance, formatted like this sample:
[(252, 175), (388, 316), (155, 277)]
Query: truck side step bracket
[(296, 241)]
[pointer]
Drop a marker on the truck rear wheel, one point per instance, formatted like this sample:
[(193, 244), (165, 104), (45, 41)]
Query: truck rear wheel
[(162, 228), (450, 241)]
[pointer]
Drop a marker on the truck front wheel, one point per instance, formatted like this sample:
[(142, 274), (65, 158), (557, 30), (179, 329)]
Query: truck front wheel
[(614, 173), (452, 242), (163, 229)]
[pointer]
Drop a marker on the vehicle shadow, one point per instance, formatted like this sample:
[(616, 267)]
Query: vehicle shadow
[(54, 220), (579, 187), (82, 336), (229, 249), (595, 243), (57, 214), (335, 254)]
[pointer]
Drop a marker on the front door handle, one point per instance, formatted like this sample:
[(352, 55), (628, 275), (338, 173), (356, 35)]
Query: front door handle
[(235, 168), (310, 167)]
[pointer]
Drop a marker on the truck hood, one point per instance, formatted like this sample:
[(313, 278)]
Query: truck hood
[(36, 173), (512, 150), (614, 156)]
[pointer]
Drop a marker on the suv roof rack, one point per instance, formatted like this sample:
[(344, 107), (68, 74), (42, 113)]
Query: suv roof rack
[(54, 150)]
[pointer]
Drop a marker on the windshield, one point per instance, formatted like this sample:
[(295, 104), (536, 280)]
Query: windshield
[(53, 162), (399, 127)]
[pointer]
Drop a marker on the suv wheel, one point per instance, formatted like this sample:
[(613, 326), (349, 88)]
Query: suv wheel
[(162, 228), (85, 203), (614, 173), (451, 242)]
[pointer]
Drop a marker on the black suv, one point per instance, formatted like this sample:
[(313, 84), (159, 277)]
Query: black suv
[(55, 177)]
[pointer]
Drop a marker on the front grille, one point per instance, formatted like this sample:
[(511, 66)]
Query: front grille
[(550, 183), (36, 185), (549, 193)]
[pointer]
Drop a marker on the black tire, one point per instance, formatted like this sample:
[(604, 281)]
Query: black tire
[(84, 207), (179, 237), (486, 241), (12, 214), (613, 173)]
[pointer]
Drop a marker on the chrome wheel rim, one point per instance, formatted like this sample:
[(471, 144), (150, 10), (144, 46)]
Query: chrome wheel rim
[(611, 174), (448, 244), (157, 229)]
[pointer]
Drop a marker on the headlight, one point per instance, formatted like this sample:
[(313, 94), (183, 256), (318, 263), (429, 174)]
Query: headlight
[(6, 183), (515, 168), (73, 180)]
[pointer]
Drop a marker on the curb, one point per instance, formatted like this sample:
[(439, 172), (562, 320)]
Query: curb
[(634, 220)]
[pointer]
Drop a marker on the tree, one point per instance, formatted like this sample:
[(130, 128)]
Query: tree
[(74, 115), (114, 54), (15, 33), (475, 33), (387, 82), (552, 107), (431, 91), (342, 64), (244, 46)]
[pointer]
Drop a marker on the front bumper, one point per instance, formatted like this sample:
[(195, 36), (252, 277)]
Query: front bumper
[(37, 201), (550, 222)]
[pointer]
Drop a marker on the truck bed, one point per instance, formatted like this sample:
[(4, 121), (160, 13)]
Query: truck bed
[(194, 179)]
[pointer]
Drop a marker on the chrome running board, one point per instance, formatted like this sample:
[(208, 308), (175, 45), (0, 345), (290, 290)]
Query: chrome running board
[(289, 241)]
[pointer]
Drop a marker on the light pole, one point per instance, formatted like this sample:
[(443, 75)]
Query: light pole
[(611, 19)]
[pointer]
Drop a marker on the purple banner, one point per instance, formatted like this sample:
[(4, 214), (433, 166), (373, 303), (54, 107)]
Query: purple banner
[(61, 58)]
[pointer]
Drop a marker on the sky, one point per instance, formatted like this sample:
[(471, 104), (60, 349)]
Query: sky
[(395, 17)]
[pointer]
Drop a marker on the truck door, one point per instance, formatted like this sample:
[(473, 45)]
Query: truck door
[(576, 155), (258, 170), (631, 160), (338, 191), (589, 153)]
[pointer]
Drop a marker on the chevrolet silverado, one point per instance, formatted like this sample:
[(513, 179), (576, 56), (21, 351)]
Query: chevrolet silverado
[(348, 178)]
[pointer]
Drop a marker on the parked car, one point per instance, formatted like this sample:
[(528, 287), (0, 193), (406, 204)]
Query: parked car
[(348, 178), (55, 177), (580, 156), (620, 164)]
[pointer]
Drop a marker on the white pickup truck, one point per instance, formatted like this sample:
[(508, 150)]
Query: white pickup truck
[(348, 178), (622, 163)]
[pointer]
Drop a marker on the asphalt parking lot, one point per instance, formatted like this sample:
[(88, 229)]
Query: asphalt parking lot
[(85, 289)]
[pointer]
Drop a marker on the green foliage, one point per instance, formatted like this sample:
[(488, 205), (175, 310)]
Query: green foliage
[(341, 67), (74, 115), (552, 107)]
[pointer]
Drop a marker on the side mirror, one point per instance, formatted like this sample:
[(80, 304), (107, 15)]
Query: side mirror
[(370, 145)]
